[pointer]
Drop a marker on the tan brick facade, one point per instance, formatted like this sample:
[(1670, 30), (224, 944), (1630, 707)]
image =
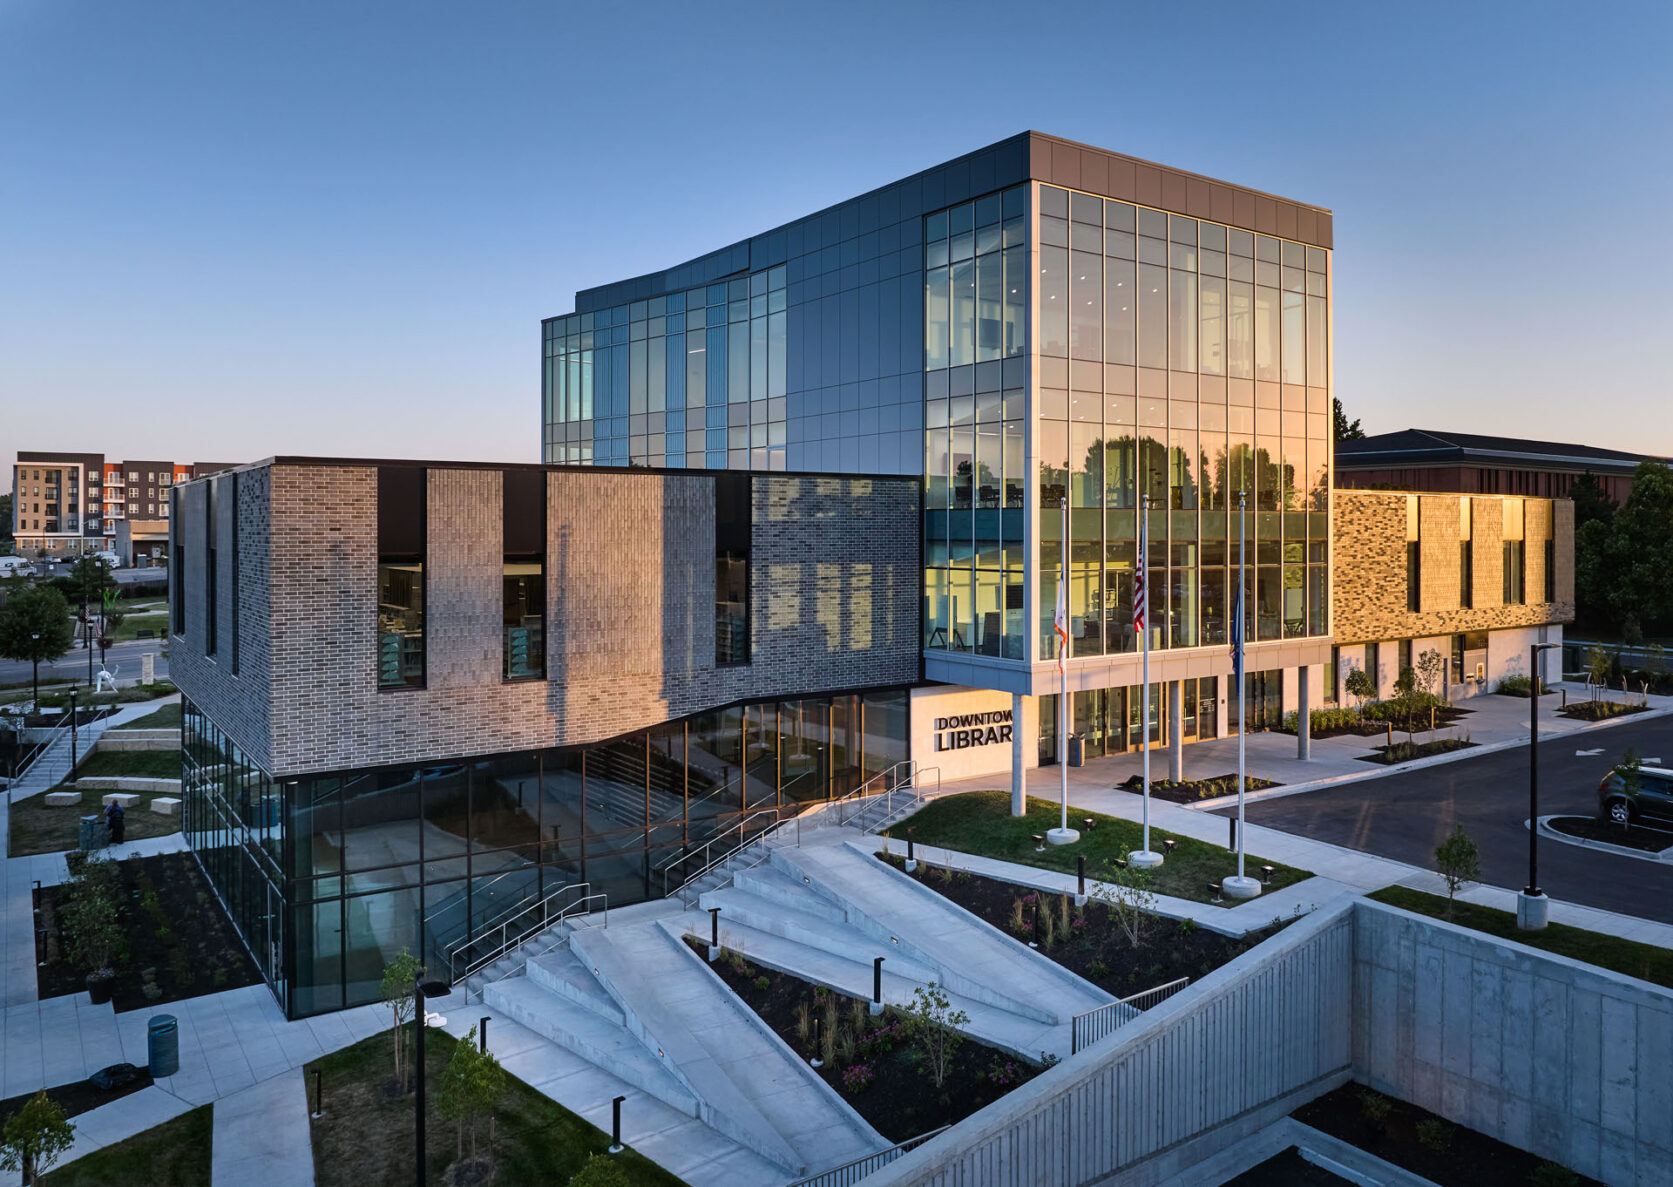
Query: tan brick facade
[(1368, 580)]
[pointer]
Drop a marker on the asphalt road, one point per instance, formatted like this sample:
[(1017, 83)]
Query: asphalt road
[(73, 665), (1404, 816)]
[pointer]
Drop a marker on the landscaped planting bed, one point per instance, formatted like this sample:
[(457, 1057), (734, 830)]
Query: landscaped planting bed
[(873, 1063), (1429, 1146), (1189, 791), (178, 941), (1645, 961), (78, 1097), (1287, 1168), (173, 1154), (980, 822), (1390, 756), (1600, 710), (365, 1137), (1632, 836), (1089, 940), (1371, 720)]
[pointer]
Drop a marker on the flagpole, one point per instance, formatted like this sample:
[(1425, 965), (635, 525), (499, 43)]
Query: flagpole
[(1063, 834), (1240, 885), (1145, 858)]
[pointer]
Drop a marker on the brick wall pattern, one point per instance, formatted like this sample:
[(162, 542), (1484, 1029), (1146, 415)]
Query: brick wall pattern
[(1368, 586), (834, 576)]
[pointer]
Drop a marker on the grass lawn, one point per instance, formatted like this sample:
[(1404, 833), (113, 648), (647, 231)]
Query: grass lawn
[(365, 1137), (132, 624), (1644, 961), (166, 718), (36, 828), (980, 822), (138, 764), (173, 1154)]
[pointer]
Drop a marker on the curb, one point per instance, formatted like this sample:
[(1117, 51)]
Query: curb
[(1249, 797), (1661, 857)]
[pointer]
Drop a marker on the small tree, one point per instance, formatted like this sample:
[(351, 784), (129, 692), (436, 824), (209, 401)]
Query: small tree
[(399, 976), (1459, 861), (1431, 672), (35, 626), (1360, 686), (1126, 892), (472, 1085), (933, 1025), (600, 1171), (1629, 766), (34, 1137), (88, 916)]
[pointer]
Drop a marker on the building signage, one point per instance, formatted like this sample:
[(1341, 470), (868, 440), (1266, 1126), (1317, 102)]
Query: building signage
[(972, 729)]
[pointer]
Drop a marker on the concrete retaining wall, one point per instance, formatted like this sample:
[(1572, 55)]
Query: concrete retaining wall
[(1560, 1058), (130, 740), (129, 783), (1205, 1069)]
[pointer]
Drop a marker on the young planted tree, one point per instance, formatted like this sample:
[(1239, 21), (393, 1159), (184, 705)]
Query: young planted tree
[(933, 1024), (1431, 673), (1458, 861), (1125, 890), (1360, 686), (471, 1087), (88, 917), (34, 1137), (399, 975)]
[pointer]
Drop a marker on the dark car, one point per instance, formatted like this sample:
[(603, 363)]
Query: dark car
[(1651, 801)]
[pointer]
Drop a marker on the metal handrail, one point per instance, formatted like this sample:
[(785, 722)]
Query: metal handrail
[(1087, 1028), (888, 772), (507, 943), (850, 1173), (492, 882), (59, 732), (864, 800), (744, 841)]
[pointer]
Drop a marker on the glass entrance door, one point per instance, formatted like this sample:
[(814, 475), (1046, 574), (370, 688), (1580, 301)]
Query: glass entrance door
[(1265, 701)]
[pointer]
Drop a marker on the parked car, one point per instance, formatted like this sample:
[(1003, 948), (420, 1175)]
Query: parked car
[(110, 558), (16, 566), (1651, 801)]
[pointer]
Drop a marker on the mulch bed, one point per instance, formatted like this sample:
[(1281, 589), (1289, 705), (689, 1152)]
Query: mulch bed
[(1600, 710), (1400, 752), (1094, 946), (1633, 836), (1368, 728), (1454, 1156), (1287, 1168), (175, 931), (1189, 791), (80, 1097), (883, 1075)]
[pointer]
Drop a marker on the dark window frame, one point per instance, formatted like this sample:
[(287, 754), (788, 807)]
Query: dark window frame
[(1466, 574), (1550, 570), (237, 573), (1414, 576), (403, 540), (211, 583)]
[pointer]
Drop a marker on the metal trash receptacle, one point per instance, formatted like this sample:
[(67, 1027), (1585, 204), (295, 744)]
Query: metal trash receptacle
[(162, 1037), (1074, 750), (94, 834)]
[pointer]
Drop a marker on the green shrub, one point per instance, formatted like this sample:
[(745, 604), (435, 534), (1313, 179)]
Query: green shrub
[(1434, 1134), (1553, 1174), (1516, 686), (600, 1171)]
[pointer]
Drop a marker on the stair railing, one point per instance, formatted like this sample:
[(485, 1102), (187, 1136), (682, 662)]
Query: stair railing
[(533, 919)]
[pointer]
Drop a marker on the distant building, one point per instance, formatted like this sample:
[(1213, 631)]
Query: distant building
[(68, 504), (1465, 463)]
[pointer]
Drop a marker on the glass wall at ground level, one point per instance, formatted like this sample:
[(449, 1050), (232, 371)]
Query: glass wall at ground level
[(329, 876)]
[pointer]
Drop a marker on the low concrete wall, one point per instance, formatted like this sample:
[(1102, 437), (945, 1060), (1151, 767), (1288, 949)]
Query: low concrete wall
[(1560, 1058), (128, 740), (1207, 1068), (129, 783)]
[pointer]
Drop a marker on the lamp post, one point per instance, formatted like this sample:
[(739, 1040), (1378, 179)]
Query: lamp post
[(35, 660), (74, 762), (421, 990), (1532, 907)]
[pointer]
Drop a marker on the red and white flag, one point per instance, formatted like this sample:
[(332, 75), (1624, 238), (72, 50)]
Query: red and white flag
[(1062, 624), (1138, 593)]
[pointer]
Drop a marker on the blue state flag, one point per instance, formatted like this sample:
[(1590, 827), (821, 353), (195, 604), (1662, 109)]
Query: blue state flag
[(1237, 640)]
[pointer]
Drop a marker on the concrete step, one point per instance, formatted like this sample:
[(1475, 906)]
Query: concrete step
[(563, 973), (743, 909), (750, 1086), (771, 883), (970, 957), (1028, 1038), (602, 1043)]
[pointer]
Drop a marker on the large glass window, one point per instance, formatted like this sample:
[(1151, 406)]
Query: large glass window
[(400, 622), (524, 617)]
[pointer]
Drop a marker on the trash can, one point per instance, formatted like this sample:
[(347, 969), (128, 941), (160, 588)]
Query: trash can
[(94, 834), (1074, 750), (162, 1035)]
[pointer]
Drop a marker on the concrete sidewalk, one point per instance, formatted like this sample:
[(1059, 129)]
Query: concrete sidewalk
[(257, 1135)]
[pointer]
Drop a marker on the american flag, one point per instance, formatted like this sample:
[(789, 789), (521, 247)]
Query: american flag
[(1061, 623), (1138, 589)]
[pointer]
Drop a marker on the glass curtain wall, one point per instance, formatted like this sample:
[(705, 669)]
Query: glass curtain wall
[(435, 857), (976, 286), (1185, 361)]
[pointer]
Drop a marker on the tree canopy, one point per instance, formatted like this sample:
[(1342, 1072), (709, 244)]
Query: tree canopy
[(1622, 563), (1346, 430), (35, 625)]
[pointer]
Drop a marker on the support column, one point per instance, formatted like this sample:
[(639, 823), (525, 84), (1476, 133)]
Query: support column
[(1176, 730), (1019, 798), (1303, 717)]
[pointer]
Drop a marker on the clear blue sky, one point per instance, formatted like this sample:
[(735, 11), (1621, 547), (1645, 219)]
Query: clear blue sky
[(234, 230)]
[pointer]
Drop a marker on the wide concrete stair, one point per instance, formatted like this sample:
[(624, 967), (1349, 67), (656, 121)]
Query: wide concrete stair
[(632, 1000), (826, 910)]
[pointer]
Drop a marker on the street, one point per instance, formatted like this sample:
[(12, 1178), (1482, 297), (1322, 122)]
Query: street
[(1404, 816), (73, 665)]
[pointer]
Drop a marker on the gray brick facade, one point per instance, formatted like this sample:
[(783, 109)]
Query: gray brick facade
[(834, 585)]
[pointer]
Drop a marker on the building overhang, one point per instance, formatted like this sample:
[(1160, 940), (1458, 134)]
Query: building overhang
[(1090, 673)]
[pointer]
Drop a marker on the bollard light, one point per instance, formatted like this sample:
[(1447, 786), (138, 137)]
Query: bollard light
[(1091, 822), (1266, 874), (877, 985), (1039, 842), (714, 934), (319, 1099), (482, 1033), (816, 1061), (1168, 843), (1214, 892), (616, 1125)]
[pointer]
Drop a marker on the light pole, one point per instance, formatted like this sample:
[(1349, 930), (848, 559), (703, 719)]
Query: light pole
[(74, 760), (1532, 907), (35, 661), (421, 990)]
